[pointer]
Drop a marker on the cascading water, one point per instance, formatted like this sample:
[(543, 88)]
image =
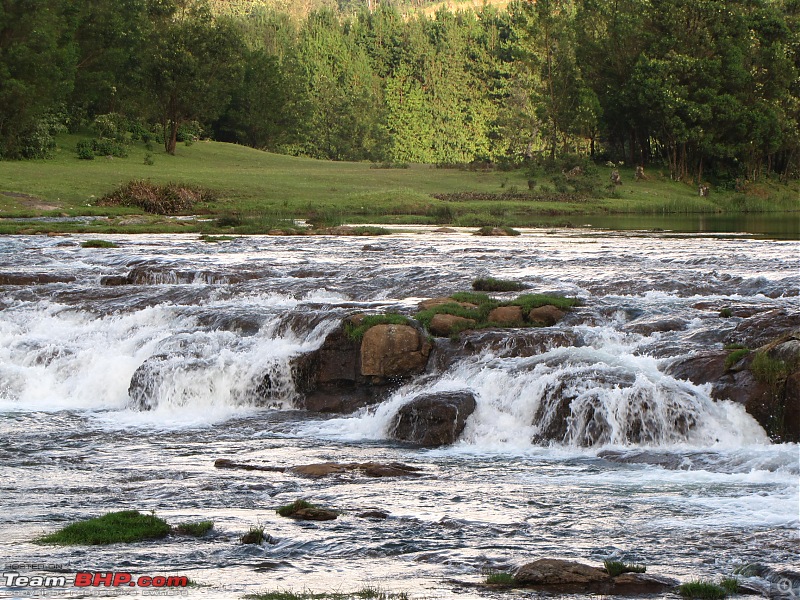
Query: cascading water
[(124, 374)]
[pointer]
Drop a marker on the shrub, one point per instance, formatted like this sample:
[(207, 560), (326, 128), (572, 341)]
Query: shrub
[(168, 199), (113, 528), (148, 159), (85, 150), (704, 590), (229, 220), (198, 529), (112, 126), (726, 313), (370, 230), (491, 284), (104, 147), (616, 567)]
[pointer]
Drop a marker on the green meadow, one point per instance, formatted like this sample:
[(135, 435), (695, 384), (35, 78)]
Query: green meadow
[(255, 191)]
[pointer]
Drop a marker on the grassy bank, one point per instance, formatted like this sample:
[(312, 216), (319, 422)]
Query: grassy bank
[(257, 191)]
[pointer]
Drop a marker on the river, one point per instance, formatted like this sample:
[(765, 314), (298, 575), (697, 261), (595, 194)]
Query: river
[(73, 446)]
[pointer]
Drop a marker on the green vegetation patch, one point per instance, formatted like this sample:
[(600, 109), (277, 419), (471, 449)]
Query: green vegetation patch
[(616, 567), (500, 578), (705, 590), (735, 356), (122, 527), (485, 305), (730, 585), (287, 510), (255, 535), (365, 593), (98, 244), (166, 199), (771, 371), (356, 332), (490, 284), (198, 529)]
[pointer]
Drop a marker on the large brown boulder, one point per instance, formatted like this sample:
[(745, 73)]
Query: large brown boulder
[(370, 469), (546, 315), (393, 351), (433, 419), (443, 325), (506, 315), (552, 571)]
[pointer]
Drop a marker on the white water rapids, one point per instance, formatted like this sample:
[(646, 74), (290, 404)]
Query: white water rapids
[(649, 468)]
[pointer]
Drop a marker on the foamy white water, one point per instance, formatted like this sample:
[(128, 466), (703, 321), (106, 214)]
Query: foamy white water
[(123, 396)]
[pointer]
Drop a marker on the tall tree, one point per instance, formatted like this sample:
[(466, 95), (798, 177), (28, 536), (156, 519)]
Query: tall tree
[(37, 68), (193, 63)]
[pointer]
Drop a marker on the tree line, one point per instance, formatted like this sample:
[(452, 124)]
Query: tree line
[(708, 89)]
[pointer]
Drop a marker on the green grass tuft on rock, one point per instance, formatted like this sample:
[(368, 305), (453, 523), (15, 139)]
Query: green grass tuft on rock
[(704, 590), (490, 284), (255, 535), (500, 578), (122, 527), (98, 244), (730, 585), (530, 301), (735, 356), (287, 510), (198, 529), (356, 332), (616, 567)]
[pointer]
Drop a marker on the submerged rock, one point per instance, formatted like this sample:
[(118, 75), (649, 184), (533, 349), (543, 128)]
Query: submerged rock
[(433, 419), (370, 469)]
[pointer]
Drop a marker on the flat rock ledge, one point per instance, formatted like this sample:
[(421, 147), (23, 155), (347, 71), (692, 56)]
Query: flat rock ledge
[(319, 470), (564, 576)]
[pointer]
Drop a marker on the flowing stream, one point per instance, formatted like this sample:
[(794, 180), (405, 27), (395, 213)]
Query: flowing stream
[(689, 502)]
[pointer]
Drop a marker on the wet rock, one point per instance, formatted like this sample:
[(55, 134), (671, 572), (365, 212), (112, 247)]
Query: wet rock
[(444, 230), (114, 280), (393, 350), (433, 419), (547, 315), (373, 514), (764, 327), (33, 278), (314, 514), (370, 469), (443, 325), (551, 571), (510, 343), (346, 374), (647, 328), (630, 584), (225, 463), (506, 315)]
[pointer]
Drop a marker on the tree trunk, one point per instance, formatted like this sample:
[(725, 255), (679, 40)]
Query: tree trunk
[(172, 141)]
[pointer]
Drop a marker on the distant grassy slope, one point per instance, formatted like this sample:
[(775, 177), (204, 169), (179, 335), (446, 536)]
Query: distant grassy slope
[(250, 182)]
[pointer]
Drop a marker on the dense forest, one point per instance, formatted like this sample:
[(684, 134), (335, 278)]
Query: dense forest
[(706, 89)]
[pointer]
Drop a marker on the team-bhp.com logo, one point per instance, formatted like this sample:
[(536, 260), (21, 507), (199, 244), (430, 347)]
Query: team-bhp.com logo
[(85, 579)]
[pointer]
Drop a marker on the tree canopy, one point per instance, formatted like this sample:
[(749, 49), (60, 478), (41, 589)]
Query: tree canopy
[(709, 90)]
